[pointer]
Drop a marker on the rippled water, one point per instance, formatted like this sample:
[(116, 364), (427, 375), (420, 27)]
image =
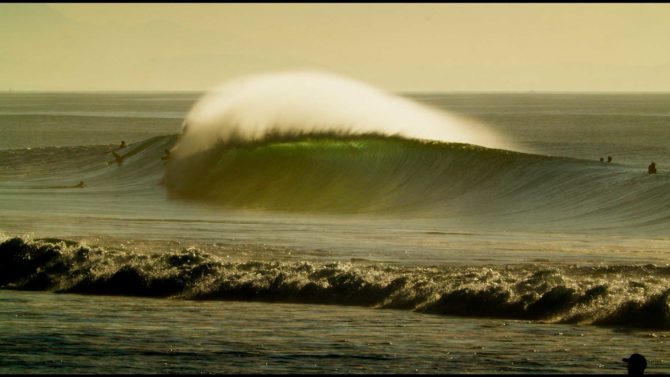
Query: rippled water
[(54, 333)]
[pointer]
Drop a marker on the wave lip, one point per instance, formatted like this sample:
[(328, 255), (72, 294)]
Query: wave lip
[(638, 297)]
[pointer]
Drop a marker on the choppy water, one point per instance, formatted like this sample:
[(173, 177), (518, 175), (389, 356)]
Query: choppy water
[(247, 242)]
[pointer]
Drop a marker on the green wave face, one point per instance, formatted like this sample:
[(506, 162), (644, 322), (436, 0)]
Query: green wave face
[(381, 175), (367, 174), (338, 174)]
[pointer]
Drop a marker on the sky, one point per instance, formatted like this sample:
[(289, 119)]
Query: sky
[(398, 47)]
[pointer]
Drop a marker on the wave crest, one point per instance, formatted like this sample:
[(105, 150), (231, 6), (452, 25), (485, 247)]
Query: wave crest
[(250, 108)]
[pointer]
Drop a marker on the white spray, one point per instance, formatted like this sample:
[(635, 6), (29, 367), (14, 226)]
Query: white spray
[(303, 102)]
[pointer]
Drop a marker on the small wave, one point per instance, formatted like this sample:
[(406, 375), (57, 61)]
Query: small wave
[(625, 295), (63, 167)]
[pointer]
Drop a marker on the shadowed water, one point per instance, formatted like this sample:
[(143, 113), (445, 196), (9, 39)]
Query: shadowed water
[(47, 333)]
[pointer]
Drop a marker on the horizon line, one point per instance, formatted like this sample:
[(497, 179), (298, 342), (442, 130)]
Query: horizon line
[(405, 92)]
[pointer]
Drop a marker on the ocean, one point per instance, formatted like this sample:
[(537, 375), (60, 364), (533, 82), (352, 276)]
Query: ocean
[(332, 252)]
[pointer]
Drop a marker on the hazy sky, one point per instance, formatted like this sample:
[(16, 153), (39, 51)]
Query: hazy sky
[(398, 47)]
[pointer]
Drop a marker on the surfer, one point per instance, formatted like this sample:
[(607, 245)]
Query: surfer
[(652, 168), (602, 159), (123, 145), (81, 184), (118, 158), (636, 364), (609, 158)]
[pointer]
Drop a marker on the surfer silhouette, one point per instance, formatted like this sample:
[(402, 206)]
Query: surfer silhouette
[(81, 184), (652, 168), (602, 159), (609, 158), (636, 364), (118, 158)]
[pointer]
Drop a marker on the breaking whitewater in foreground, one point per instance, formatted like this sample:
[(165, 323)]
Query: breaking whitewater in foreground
[(629, 296)]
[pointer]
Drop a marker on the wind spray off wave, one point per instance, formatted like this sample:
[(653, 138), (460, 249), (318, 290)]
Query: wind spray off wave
[(306, 102)]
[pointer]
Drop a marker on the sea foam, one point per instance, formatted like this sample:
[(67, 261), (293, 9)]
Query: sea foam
[(638, 297)]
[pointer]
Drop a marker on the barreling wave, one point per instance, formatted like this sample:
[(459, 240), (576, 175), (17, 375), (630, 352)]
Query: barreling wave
[(371, 174), (389, 175), (309, 141), (334, 173), (624, 295)]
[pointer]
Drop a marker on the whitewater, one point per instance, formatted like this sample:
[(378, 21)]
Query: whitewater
[(305, 222)]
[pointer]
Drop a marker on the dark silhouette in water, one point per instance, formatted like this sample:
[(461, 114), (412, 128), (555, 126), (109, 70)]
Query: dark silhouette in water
[(609, 158), (652, 168), (602, 159), (119, 159), (636, 364), (81, 184)]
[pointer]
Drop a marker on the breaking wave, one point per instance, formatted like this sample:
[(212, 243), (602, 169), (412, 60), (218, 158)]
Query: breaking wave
[(625, 295), (367, 174), (254, 108), (391, 175)]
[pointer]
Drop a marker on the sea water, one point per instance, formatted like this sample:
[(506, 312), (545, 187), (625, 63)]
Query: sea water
[(331, 253)]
